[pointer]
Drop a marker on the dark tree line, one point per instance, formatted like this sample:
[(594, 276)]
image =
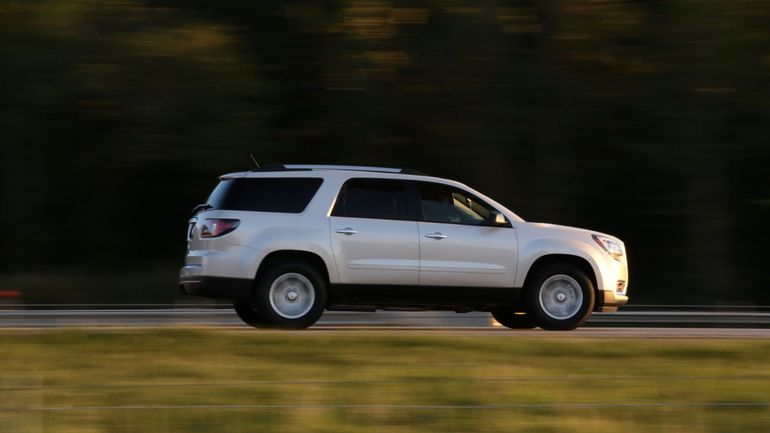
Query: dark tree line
[(645, 119)]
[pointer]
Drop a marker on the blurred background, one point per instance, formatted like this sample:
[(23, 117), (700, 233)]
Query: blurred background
[(648, 120)]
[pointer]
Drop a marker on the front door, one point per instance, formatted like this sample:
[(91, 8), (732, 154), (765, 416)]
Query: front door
[(457, 245)]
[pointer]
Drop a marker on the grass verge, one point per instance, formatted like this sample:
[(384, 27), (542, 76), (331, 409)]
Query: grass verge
[(180, 380)]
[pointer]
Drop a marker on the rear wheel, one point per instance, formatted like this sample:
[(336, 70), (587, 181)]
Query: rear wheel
[(290, 295), (560, 296), (510, 318), (246, 312)]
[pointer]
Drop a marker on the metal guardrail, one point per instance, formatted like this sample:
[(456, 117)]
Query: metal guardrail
[(223, 315), (207, 304)]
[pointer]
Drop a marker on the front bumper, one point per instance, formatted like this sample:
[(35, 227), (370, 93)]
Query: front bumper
[(232, 289), (609, 301)]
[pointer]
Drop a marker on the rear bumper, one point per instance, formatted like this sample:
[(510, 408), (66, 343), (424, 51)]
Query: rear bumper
[(232, 289), (609, 301)]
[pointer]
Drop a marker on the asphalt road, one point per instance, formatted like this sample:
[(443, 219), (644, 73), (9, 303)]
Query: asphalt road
[(655, 323)]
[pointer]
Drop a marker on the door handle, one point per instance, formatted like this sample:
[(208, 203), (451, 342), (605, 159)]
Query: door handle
[(346, 231), (436, 235)]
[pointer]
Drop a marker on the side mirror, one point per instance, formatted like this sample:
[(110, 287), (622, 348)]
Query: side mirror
[(496, 219)]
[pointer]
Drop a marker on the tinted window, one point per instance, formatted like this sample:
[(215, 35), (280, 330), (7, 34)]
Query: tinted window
[(364, 198), (288, 195), (443, 204)]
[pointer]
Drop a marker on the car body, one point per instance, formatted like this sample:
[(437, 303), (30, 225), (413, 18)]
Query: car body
[(284, 243)]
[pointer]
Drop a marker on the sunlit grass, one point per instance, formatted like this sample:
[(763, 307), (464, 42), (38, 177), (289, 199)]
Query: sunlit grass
[(177, 380)]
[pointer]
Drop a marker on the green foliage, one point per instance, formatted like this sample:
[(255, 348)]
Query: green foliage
[(642, 119)]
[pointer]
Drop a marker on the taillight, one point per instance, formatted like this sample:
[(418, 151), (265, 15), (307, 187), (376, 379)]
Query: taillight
[(215, 227)]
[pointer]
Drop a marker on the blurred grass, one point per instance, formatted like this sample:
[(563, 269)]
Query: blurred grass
[(168, 380)]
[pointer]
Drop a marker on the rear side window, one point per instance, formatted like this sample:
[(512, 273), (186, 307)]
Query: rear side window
[(372, 198), (286, 194)]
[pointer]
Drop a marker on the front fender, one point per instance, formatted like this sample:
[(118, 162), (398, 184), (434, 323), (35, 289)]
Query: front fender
[(538, 248)]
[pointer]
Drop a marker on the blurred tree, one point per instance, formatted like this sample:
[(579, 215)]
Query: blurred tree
[(643, 119)]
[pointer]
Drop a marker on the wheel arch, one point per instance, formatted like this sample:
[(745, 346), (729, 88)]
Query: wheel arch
[(287, 255), (580, 262)]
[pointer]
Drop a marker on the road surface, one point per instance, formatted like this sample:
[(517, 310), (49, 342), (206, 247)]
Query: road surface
[(674, 324)]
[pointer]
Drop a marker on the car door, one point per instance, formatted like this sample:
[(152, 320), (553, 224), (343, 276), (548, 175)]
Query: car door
[(458, 246), (374, 234)]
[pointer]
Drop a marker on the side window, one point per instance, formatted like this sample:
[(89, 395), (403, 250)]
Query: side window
[(444, 204), (372, 198)]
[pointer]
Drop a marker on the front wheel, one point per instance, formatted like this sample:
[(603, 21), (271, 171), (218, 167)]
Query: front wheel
[(560, 296), (290, 295), (510, 318)]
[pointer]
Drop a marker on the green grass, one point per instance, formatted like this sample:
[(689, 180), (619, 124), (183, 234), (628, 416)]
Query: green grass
[(178, 380)]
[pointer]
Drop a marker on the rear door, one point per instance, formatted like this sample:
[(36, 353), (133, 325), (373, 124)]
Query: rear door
[(457, 245), (374, 233)]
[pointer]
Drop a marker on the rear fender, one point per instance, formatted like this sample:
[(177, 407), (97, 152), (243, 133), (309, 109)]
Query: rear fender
[(309, 240)]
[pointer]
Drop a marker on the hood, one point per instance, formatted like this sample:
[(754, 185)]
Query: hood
[(555, 228)]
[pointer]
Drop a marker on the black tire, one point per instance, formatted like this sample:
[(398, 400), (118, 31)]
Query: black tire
[(246, 312), (555, 304), (508, 317), (290, 276)]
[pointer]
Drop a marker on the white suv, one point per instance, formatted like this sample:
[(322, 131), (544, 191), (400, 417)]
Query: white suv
[(286, 242)]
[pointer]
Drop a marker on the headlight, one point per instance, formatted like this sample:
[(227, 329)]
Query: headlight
[(611, 247)]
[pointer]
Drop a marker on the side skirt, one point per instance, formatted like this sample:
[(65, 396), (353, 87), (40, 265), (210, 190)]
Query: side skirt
[(369, 297)]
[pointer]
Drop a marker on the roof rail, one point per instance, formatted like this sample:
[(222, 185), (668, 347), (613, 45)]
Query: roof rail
[(305, 167)]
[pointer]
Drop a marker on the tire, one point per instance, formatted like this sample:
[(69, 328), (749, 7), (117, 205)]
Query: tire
[(507, 317), (246, 312), (289, 295), (560, 297)]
